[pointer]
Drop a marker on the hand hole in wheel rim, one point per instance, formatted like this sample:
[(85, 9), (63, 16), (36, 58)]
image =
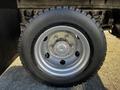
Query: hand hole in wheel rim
[(62, 62), (45, 39)]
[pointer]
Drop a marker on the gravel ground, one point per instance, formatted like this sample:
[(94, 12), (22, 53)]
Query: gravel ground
[(110, 71)]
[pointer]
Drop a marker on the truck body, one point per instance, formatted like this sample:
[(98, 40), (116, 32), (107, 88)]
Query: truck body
[(89, 4)]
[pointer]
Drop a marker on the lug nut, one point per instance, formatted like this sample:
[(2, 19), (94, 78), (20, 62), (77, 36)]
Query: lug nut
[(66, 35), (55, 36)]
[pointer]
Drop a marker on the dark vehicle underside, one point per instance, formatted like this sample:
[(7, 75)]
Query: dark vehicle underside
[(61, 42)]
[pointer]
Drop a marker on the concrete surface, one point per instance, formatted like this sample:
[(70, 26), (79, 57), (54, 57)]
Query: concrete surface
[(110, 71), (16, 78)]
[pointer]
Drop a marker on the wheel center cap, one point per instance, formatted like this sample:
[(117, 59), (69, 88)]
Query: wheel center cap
[(61, 48)]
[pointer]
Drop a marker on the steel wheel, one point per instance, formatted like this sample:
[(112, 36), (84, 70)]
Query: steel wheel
[(62, 51)]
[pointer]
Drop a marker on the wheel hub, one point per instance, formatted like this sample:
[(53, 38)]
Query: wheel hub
[(61, 48)]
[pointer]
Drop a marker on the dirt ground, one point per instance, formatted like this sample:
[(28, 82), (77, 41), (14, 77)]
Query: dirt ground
[(110, 71)]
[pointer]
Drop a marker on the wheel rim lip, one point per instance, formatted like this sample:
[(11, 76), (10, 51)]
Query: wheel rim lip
[(77, 68)]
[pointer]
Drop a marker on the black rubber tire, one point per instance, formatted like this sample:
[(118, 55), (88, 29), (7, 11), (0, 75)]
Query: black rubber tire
[(116, 30), (63, 16)]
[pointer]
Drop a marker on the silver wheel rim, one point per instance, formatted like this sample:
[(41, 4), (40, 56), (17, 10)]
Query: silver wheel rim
[(62, 51)]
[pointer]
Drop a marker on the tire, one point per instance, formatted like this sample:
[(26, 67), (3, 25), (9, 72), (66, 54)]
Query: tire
[(61, 18), (116, 30)]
